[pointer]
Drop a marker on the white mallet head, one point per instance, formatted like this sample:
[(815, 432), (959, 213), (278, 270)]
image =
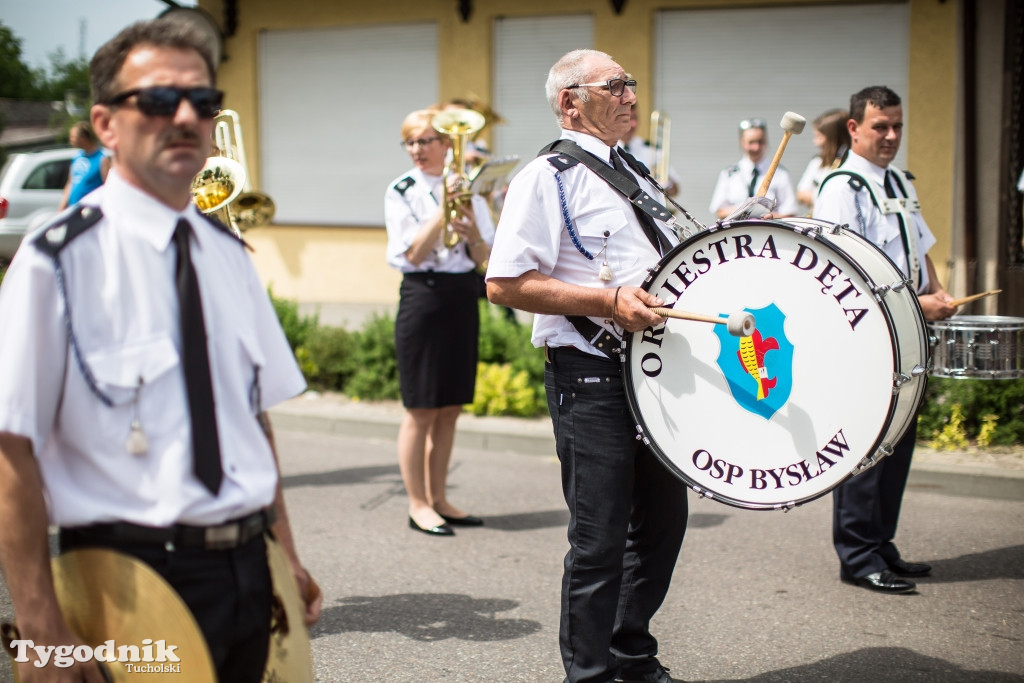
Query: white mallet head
[(740, 324), (793, 123)]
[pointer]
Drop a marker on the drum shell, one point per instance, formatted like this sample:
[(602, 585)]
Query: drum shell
[(675, 414), (977, 347)]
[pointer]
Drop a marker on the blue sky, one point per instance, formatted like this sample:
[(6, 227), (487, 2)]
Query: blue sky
[(45, 25)]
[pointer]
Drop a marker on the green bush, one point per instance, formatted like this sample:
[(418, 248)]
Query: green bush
[(503, 340), (957, 411), (325, 357), (500, 390), (296, 327), (3, 271), (375, 368)]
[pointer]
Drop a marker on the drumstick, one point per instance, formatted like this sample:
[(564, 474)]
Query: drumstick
[(792, 124), (739, 324), (973, 297)]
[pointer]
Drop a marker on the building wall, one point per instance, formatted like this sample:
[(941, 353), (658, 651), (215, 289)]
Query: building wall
[(325, 264)]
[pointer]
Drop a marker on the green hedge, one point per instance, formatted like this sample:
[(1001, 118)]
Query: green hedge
[(961, 412), (362, 363)]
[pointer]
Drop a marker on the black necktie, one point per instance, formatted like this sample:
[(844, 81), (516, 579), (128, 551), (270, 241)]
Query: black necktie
[(655, 235), (889, 190), (205, 439), (753, 182)]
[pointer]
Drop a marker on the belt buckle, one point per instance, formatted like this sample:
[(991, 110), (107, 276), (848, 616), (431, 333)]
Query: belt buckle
[(221, 537)]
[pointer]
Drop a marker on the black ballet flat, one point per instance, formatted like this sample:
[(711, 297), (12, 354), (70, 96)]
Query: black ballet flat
[(442, 530), (468, 520)]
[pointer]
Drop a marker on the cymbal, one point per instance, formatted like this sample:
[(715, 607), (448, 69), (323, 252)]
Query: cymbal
[(290, 659), (106, 595)]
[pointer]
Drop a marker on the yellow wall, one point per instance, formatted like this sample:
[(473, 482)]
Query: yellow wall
[(931, 121), (325, 264)]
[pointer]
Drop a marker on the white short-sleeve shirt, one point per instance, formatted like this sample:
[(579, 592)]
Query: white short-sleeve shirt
[(839, 202), (532, 235), (410, 200), (733, 187), (123, 307)]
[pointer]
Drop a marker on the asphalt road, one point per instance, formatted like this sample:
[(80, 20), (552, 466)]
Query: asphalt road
[(756, 596)]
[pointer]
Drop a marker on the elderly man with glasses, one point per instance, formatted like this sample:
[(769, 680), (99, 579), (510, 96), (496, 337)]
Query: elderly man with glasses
[(571, 248), (133, 397), (742, 180)]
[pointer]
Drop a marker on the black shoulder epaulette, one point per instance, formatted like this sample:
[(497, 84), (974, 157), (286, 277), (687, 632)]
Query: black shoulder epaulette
[(226, 230), (733, 169), (404, 184), (65, 227), (910, 176), (856, 183), (559, 161), (562, 162)]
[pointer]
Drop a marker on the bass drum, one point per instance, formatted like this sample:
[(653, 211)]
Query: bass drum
[(826, 384)]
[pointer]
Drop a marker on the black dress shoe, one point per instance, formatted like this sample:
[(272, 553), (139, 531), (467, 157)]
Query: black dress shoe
[(901, 568), (442, 530), (468, 520), (659, 675), (884, 582)]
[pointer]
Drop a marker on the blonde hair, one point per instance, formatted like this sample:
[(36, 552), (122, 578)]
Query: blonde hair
[(418, 120)]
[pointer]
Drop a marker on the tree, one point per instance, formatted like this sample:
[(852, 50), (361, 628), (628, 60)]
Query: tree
[(66, 76), (16, 79)]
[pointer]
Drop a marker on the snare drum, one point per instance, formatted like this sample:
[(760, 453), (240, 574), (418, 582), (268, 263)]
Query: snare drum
[(977, 347), (824, 387)]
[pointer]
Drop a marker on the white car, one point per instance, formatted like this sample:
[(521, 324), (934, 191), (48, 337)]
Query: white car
[(31, 186)]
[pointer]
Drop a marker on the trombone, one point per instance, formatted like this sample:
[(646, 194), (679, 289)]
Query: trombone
[(661, 126), (459, 125), (222, 188)]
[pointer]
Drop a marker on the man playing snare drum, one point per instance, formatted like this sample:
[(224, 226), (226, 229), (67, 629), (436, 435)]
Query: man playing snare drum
[(570, 248), (878, 201)]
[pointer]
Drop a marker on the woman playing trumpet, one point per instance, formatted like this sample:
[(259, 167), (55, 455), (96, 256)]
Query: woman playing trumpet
[(438, 323)]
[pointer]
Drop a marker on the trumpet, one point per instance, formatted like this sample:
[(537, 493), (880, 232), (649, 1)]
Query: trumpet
[(459, 125), (222, 188)]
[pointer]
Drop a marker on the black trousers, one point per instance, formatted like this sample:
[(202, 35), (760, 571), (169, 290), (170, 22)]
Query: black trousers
[(229, 592), (866, 510), (627, 518)]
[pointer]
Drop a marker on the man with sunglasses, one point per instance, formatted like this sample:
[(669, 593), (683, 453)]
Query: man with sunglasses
[(570, 248), (134, 312), (742, 180)]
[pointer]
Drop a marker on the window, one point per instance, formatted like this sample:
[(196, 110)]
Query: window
[(52, 175), (331, 104)]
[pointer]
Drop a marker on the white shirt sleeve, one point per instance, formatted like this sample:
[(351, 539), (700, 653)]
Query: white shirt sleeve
[(32, 361)]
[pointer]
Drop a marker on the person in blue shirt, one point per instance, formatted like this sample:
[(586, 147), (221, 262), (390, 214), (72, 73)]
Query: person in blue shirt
[(88, 168)]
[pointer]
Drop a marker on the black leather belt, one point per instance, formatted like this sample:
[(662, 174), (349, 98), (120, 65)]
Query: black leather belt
[(232, 534)]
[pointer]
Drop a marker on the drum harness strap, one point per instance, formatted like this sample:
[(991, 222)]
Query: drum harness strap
[(900, 206), (568, 154)]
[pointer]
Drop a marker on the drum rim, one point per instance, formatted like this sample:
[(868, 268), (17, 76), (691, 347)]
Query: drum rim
[(644, 434)]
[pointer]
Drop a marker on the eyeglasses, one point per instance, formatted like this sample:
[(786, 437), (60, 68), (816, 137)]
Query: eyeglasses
[(616, 86), (164, 100), (746, 124), (422, 142)]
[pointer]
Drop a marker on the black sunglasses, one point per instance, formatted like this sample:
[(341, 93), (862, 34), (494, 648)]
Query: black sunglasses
[(164, 100)]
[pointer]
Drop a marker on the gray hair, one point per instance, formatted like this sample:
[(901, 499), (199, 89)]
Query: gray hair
[(569, 71)]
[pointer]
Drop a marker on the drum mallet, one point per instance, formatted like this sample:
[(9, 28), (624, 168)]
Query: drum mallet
[(792, 124), (739, 324)]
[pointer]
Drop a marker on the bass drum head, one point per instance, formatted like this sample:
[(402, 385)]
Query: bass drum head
[(785, 415)]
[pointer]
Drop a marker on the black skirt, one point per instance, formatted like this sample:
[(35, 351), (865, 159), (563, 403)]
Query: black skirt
[(436, 332)]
